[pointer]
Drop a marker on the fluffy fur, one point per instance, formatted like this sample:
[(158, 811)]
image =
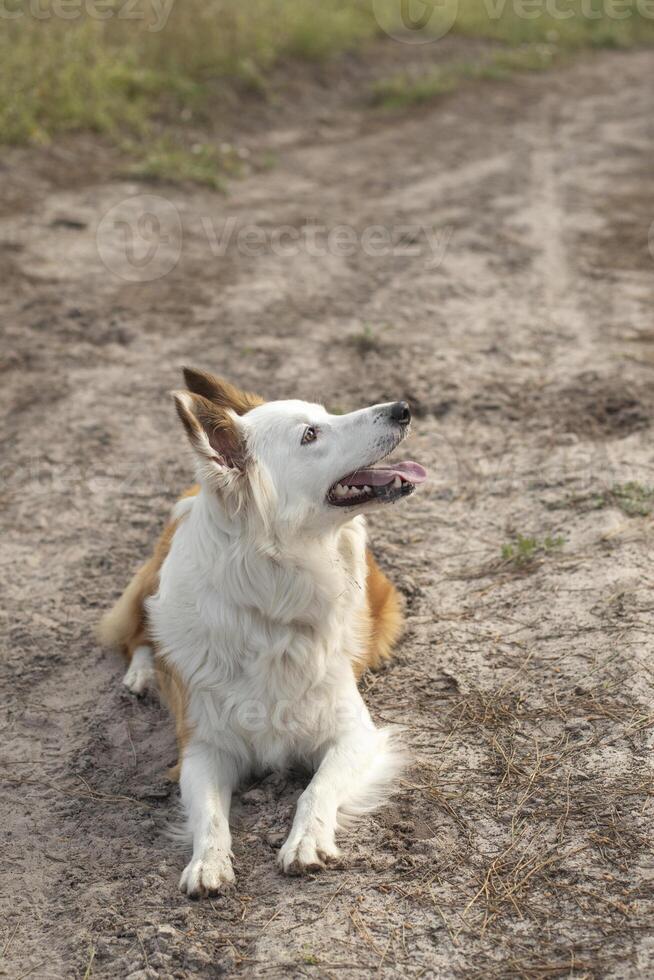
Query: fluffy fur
[(256, 614)]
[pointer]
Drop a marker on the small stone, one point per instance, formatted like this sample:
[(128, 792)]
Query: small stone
[(158, 960), (165, 935)]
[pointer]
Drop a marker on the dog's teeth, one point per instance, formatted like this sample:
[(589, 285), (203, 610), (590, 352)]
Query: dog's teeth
[(340, 490), (367, 490), (397, 482)]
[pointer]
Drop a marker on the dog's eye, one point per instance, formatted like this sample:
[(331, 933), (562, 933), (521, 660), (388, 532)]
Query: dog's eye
[(310, 435)]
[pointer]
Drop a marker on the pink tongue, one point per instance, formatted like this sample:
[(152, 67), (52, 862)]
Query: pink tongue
[(381, 476)]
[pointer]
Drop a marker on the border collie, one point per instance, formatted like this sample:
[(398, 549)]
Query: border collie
[(260, 609)]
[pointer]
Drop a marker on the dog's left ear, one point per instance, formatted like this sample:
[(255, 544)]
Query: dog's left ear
[(220, 392), (214, 433)]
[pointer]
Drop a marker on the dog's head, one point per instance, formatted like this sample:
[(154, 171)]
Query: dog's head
[(298, 466)]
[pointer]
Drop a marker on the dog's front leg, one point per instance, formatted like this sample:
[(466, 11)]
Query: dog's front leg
[(207, 779), (355, 775)]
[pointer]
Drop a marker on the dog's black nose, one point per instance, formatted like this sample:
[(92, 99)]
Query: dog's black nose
[(401, 413)]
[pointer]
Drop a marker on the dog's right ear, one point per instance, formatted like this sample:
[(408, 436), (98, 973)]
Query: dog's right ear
[(220, 392), (214, 432)]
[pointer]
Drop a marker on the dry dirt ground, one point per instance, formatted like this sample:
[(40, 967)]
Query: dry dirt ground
[(520, 843)]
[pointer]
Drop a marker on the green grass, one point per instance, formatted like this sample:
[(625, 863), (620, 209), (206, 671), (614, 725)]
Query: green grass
[(522, 550), (633, 499), (116, 75), (52, 82), (365, 341), (61, 75), (584, 24), (404, 90), (166, 159)]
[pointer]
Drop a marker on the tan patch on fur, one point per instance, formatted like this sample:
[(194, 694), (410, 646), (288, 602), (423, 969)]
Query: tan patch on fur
[(384, 619), (220, 392), (211, 429), (125, 627), (174, 695)]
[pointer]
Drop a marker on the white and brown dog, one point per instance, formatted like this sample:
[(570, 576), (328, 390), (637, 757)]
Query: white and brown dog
[(260, 609)]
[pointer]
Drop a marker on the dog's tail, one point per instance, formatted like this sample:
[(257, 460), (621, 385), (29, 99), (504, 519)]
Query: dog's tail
[(122, 626), (388, 758)]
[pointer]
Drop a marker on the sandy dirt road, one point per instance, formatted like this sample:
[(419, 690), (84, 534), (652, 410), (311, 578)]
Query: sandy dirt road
[(512, 305)]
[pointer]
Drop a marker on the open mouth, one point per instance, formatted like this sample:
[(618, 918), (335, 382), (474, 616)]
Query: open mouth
[(382, 483)]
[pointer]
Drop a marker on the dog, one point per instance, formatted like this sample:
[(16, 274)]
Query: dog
[(260, 609)]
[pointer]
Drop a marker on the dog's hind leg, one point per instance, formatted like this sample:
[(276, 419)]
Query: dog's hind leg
[(125, 628), (140, 674)]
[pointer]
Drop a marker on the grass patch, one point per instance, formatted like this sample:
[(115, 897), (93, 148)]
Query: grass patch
[(633, 499), (167, 159), (86, 73), (570, 24), (521, 555), (70, 69), (54, 82), (365, 341), (523, 550), (557, 810), (404, 90)]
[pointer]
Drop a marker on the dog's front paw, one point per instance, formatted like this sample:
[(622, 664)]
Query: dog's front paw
[(306, 852), (207, 875)]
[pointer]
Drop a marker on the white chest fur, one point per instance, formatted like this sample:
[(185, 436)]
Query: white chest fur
[(263, 641)]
